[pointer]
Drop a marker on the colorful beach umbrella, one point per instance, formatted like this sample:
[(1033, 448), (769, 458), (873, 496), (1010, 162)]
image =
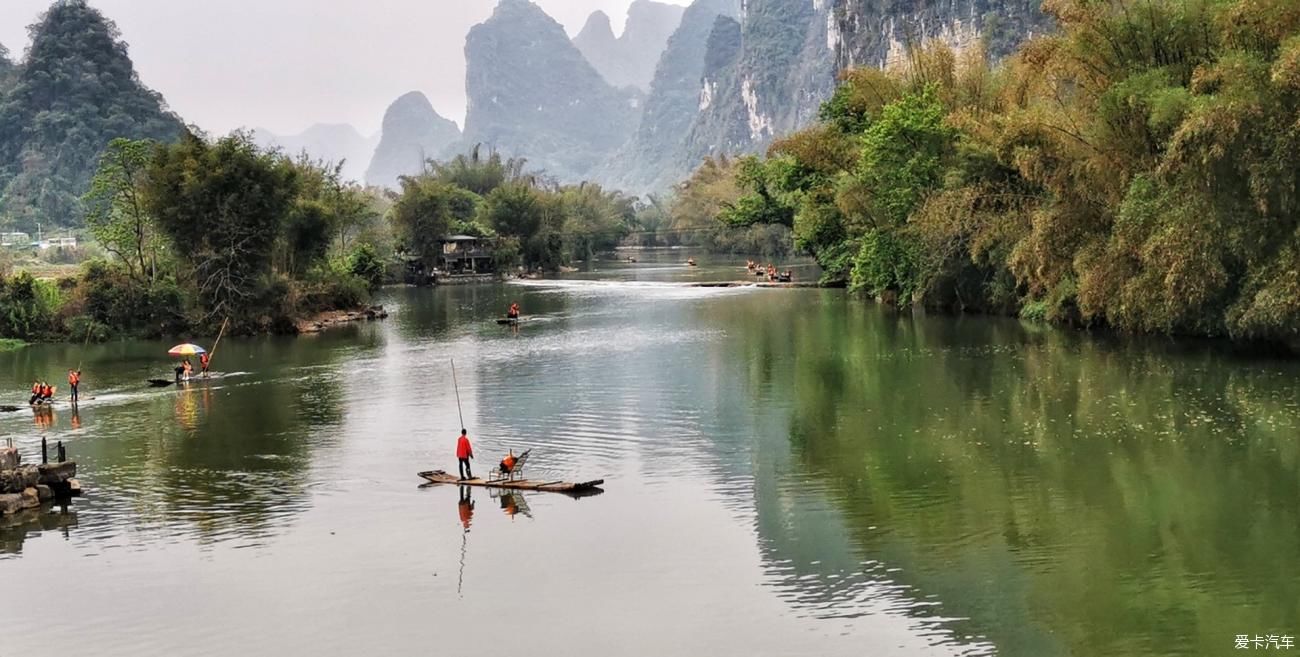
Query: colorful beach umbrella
[(186, 350)]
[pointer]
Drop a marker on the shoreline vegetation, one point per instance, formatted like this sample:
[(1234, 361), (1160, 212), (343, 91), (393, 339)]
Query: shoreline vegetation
[(204, 230), (1138, 169)]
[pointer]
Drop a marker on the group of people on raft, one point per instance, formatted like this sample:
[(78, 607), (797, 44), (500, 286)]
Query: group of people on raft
[(773, 275), (186, 368), (465, 453), (43, 393)]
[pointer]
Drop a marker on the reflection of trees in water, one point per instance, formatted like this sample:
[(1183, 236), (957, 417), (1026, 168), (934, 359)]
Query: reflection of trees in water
[(1065, 495), (225, 458)]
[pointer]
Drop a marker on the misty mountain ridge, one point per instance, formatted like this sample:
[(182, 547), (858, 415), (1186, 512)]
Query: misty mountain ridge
[(328, 142), (730, 79), (629, 60), (531, 93), (413, 133), (638, 112)]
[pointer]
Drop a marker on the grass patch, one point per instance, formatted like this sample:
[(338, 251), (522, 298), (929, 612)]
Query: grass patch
[(11, 344)]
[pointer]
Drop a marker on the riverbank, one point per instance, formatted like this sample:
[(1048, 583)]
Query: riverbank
[(334, 318)]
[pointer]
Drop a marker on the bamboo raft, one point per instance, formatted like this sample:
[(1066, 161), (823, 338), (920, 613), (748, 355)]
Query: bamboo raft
[(441, 477)]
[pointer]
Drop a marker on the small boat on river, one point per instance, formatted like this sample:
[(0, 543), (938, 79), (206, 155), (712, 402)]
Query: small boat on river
[(509, 321), (568, 487)]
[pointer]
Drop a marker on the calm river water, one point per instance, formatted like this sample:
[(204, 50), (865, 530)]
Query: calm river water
[(789, 472)]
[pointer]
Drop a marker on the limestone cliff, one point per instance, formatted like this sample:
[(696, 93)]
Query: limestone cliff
[(532, 94), (413, 133), (629, 60)]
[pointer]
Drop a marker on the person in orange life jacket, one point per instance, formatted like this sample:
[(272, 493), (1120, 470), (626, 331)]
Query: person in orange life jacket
[(507, 463), (514, 311), (204, 361), (47, 392), (464, 452), (74, 380)]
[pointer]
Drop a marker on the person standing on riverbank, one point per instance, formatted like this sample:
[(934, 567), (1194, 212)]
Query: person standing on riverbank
[(74, 380), (464, 452)]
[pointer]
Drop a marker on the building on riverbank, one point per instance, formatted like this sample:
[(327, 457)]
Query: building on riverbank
[(466, 255), (462, 259)]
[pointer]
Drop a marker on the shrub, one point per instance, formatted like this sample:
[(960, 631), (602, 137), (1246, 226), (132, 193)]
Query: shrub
[(365, 264), (28, 308)]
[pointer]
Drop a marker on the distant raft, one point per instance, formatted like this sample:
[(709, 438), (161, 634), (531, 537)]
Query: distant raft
[(571, 488), (508, 321)]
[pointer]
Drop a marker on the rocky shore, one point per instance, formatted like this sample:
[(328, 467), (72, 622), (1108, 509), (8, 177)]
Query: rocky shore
[(25, 487), (335, 318)]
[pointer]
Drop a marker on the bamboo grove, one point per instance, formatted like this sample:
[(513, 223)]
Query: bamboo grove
[(1137, 168)]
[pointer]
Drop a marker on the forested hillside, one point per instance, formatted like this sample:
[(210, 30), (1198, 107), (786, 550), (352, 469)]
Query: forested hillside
[(74, 92), (7, 70)]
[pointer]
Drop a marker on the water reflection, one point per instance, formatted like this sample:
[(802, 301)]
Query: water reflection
[(513, 504), (465, 509), (1046, 489), (804, 473), (15, 530), (219, 459)]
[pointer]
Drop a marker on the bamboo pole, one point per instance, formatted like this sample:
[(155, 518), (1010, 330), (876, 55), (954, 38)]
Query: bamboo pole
[(86, 343), (213, 354), (457, 386)]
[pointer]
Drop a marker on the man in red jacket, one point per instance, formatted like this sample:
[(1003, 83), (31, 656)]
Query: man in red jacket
[(464, 452)]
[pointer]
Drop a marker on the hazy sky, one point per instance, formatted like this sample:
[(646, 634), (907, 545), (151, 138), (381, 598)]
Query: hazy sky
[(286, 64)]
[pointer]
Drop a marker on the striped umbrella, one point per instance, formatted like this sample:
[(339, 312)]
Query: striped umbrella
[(186, 350)]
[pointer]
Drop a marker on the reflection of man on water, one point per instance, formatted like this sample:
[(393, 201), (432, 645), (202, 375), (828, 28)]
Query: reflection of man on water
[(466, 507)]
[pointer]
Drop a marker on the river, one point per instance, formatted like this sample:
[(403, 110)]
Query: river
[(789, 472)]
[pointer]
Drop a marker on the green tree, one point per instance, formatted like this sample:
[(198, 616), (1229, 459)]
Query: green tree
[(758, 204), (428, 210), (117, 213), (480, 175), (595, 220), (224, 206), (514, 210)]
